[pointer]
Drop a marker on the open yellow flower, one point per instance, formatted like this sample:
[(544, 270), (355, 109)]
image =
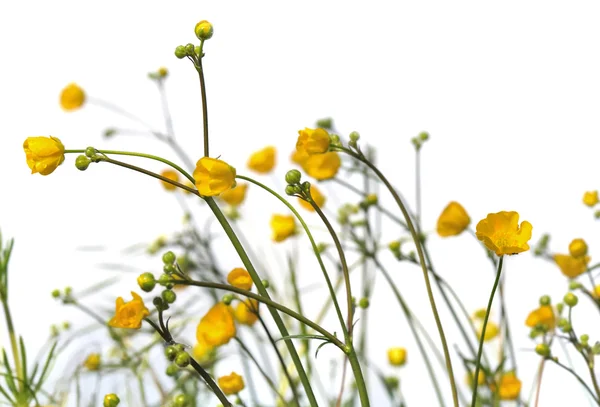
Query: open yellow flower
[(173, 176), (322, 166), (283, 226), (246, 312), (231, 384), (213, 176), (453, 220), (72, 97), (317, 196), (501, 233), (299, 157), (571, 266), (510, 387), (263, 160), (217, 327), (92, 362), (544, 315), (578, 248), (590, 198), (43, 154), (129, 315), (240, 278), (235, 196), (313, 141), (396, 356)]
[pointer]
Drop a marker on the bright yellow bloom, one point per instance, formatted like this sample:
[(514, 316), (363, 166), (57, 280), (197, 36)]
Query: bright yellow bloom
[(597, 291), (491, 331), (453, 220), (322, 166), (173, 176), (317, 196), (202, 351), (501, 233), (510, 387), (232, 384), (204, 30), (246, 312), (217, 327), (578, 248), (313, 141), (283, 226), (396, 356), (544, 315), (92, 362), (130, 314), (213, 176), (471, 375), (72, 97), (240, 278), (235, 196), (571, 266), (263, 160), (43, 154), (299, 157), (590, 198)]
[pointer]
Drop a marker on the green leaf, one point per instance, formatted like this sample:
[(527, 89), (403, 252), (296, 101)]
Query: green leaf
[(46, 366), (23, 361), (10, 382)]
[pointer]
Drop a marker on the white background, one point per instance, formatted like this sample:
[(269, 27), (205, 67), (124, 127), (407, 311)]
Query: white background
[(508, 91)]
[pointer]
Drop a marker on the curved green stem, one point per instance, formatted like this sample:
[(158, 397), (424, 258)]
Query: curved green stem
[(200, 71), (579, 379)]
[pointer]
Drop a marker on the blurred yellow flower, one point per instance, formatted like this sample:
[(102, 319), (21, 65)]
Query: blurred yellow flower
[(471, 375), (299, 157), (317, 196), (240, 278), (396, 356), (111, 400), (202, 351), (162, 72), (479, 314), (453, 220), (313, 141), (571, 266), (92, 362), (217, 327), (501, 233), (510, 387), (213, 176), (173, 176), (43, 154), (263, 160), (491, 331), (130, 314), (578, 248), (322, 166), (231, 384), (72, 97), (283, 226), (235, 196), (544, 315), (590, 198), (246, 312)]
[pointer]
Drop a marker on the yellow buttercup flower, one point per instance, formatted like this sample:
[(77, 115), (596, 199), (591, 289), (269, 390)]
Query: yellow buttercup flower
[(322, 166), (246, 312), (571, 266), (240, 278), (299, 157), (72, 97), (590, 198), (202, 351), (263, 160), (453, 220), (217, 327), (578, 248), (471, 375), (283, 226), (43, 154), (313, 141), (173, 176), (501, 233), (317, 196), (130, 314), (396, 356), (509, 387), (231, 384), (235, 196), (92, 362), (544, 315), (491, 331), (213, 176), (479, 314)]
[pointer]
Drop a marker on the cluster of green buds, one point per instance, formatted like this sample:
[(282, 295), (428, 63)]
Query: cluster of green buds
[(170, 268), (82, 162), (296, 188), (178, 356), (66, 296), (542, 246), (395, 247), (204, 31), (420, 140), (345, 211), (370, 200)]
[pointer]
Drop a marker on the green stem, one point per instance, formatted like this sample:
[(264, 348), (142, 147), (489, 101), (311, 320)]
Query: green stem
[(579, 379), (13, 342), (200, 71)]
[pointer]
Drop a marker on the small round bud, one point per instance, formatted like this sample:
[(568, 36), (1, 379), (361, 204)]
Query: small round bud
[(394, 246), (66, 325), (90, 152), (159, 303), (574, 285), (571, 299), (164, 279), (290, 190), (265, 283), (181, 400), (227, 298), (82, 162), (578, 248), (146, 282), (197, 51), (326, 123), (584, 339), (162, 72), (171, 352), (68, 291), (293, 177), (169, 296), (172, 370), (545, 300), (542, 349), (392, 382), (169, 257), (169, 268), (363, 302), (55, 293), (189, 49), (306, 186), (321, 247), (111, 400), (182, 359), (204, 30), (354, 136), (371, 199), (559, 307), (596, 348), (423, 136), (180, 52)]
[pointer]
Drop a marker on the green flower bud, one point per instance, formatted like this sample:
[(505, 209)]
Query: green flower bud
[(90, 152), (82, 162), (290, 190), (326, 123), (160, 304), (545, 300), (584, 339), (392, 382), (68, 291), (169, 296), (164, 279), (354, 136), (189, 50), (180, 52), (306, 186), (55, 293), (363, 302), (597, 214), (574, 285), (111, 400), (181, 400), (559, 307), (293, 177), (334, 140), (169, 257), (204, 30), (172, 370), (182, 359), (146, 282), (321, 247), (596, 348), (394, 246), (169, 268), (423, 136), (227, 298), (171, 352), (542, 349), (571, 299), (265, 283), (66, 325)]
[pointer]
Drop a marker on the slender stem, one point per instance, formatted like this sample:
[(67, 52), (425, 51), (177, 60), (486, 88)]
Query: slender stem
[(200, 71), (579, 379), (119, 110), (418, 187), (594, 380), (13, 342)]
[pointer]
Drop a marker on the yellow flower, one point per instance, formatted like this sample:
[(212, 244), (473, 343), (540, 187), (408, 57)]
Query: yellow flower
[(173, 176), (217, 327), (213, 176), (491, 331), (453, 220), (479, 314), (43, 154), (283, 226), (578, 248), (322, 166), (204, 30), (590, 198), (597, 291), (470, 376), (544, 315), (263, 160), (72, 97), (235, 196), (510, 387), (92, 362), (246, 312), (501, 233), (232, 384), (299, 157), (396, 356), (571, 266), (202, 351), (313, 141), (240, 278), (162, 72), (317, 196), (130, 314)]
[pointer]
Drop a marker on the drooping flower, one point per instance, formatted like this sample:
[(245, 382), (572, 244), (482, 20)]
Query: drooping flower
[(313, 141), (590, 198), (263, 160), (246, 312), (213, 176), (129, 315), (571, 266), (283, 226), (235, 196), (240, 278), (501, 233), (72, 97), (396, 356), (317, 196), (217, 327), (173, 176), (231, 384), (544, 315), (509, 387), (322, 166), (578, 248), (453, 220), (92, 362), (43, 154)]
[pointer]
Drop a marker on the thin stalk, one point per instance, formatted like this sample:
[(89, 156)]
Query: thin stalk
[(579, 379), (13, 342), (200, 71)]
